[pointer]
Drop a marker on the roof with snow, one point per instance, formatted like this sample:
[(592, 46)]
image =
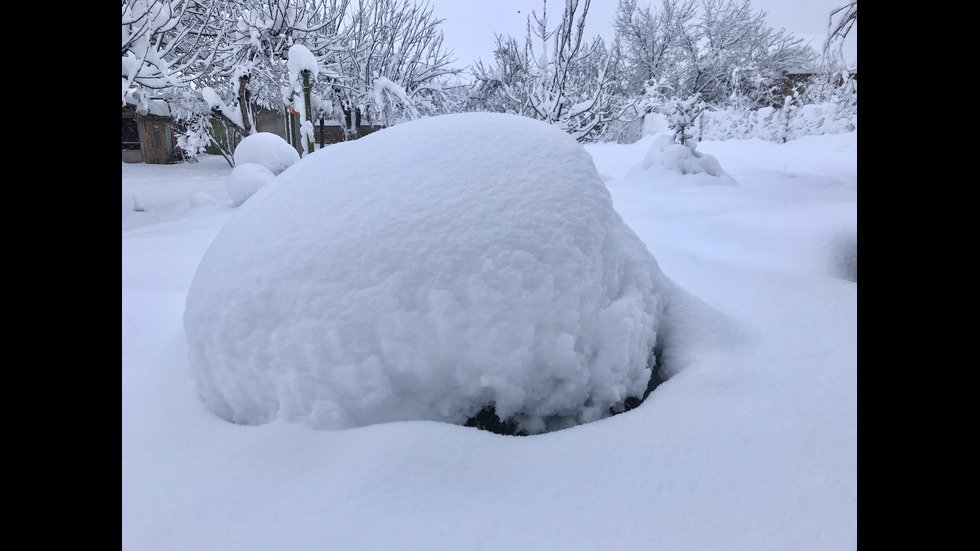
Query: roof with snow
[(154, 106)]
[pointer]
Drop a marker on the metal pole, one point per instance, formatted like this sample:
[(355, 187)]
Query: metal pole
[(309, 108)]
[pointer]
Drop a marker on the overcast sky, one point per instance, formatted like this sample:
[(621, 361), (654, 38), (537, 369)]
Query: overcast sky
[(470, 25)]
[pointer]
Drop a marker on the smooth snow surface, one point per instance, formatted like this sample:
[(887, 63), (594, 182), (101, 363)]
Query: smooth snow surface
[(424, 273), (246, 179)]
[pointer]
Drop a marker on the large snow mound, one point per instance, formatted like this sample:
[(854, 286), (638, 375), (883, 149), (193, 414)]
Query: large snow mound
[(426, 272), (266, 149)]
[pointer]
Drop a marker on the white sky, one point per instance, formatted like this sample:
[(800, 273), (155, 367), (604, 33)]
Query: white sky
[(751, 445), (469, 25)]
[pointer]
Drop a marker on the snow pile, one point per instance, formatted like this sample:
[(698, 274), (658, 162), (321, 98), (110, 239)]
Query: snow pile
[(266, 149), (666, 155), (426, 272), (201, 199), (245, 180)]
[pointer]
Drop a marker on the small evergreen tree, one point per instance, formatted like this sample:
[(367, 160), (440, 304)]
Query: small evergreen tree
[(683, 115)]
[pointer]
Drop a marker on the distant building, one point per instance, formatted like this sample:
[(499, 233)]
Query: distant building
[(148, 137), (286, 125), (799, 80), (151, 136)]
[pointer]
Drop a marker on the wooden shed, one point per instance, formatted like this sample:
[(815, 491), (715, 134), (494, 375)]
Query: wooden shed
[(148, 137)]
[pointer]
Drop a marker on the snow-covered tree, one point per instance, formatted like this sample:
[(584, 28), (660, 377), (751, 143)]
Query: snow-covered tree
[(650, 40), (730, 35), (250, 68), (511, 71), (682, 115), (162, 40), (840, 23), (390, 64), (200, 129), (721, 50), (247, 67), (557, 76), (377, 62)]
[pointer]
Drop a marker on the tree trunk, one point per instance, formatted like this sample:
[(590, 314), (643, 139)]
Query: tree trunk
[(352, 119), (245, 104)]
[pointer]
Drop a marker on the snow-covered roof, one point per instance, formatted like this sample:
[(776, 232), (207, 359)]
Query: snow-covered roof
[(154, 106)]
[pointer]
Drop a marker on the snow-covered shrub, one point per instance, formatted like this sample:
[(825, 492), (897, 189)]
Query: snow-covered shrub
[(266, 149), (428, 271), (245, 180), (772, 124), (666, 155), (816, 119)]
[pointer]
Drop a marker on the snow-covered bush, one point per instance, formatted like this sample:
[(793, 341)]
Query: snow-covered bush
[(428, 271), (266, 149), (772, 124), (245, 180), (666, 155)]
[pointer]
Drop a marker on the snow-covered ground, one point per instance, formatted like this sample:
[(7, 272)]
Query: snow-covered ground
[(751, 444)]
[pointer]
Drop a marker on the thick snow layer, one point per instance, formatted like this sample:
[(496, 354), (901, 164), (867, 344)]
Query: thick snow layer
[(422, 273), (301, 59), (245, 180), (266, 149)]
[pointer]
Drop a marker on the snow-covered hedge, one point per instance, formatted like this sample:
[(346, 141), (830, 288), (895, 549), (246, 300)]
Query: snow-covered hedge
[(771, 124)]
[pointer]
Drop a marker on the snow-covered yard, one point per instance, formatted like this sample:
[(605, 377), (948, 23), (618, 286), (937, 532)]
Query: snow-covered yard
[(751, 444)]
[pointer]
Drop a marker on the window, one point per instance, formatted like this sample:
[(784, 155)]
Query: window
[(130, 135)]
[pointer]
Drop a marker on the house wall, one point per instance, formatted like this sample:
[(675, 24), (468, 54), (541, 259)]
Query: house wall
[(130, 141), (799, 82), (333, 133), (157, 136), (270, 121), (325, 134), (157, 140)]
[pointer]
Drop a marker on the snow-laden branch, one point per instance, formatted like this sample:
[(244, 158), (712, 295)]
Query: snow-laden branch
[(839, 25)]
